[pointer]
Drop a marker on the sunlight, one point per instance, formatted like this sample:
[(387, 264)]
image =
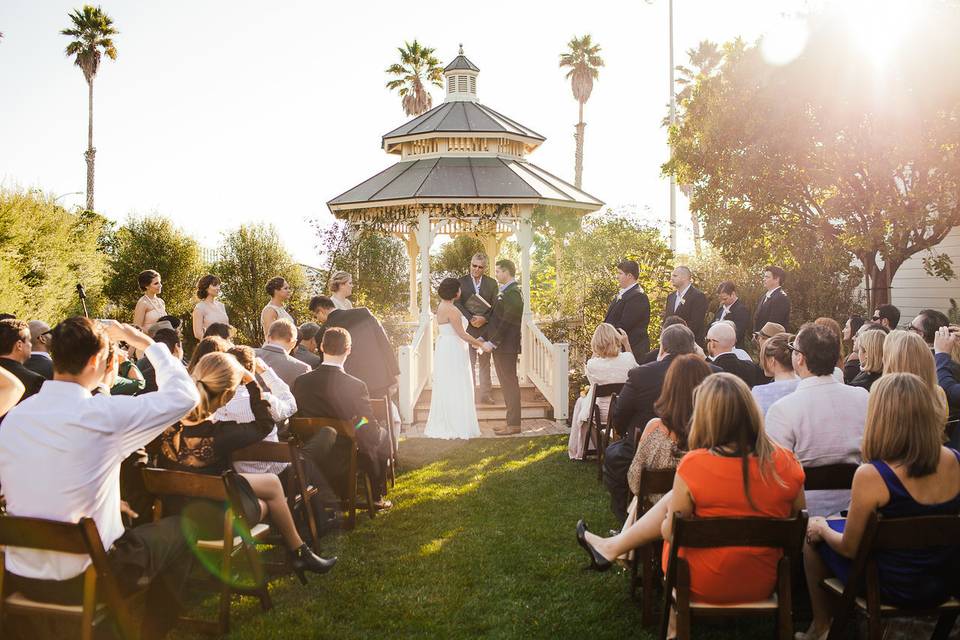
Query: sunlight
[(784, 40), (437, 543), (878, 27)]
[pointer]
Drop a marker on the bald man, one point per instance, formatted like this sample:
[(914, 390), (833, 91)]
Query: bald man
[(686, 301), (39, 360), (721, 341)]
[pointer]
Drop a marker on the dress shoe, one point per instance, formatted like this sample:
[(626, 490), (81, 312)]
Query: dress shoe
[(303, 560), (506, 431), (382, 505), (597, 561), (487, 399)]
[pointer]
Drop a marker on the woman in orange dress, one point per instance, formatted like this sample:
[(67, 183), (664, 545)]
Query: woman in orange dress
[(732, 470)]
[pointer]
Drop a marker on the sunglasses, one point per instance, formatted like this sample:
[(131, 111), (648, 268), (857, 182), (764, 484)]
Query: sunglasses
[(477, 266), (793, 347)]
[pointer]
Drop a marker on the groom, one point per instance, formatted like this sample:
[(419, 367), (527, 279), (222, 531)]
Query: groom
[(503, 339)]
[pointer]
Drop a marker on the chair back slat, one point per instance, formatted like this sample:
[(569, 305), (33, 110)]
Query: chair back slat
[(654, 481), (43, 535), (306, 428), (829, 477), (607, 390), (785, 533), (263, 452), (161, 482), (921, 532)]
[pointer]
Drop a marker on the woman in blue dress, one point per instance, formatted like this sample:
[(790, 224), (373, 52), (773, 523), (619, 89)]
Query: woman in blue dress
[(908, 473)]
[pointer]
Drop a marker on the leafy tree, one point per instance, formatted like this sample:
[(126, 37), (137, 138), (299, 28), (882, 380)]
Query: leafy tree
[(453, 259), (814, 150), (417, 67), (246, 259), (583, 59), (92, 33), (152, 242), (45, 250)]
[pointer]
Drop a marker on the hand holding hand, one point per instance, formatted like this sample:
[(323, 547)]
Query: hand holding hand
[(487, 347), (945, 338), (815, 527)]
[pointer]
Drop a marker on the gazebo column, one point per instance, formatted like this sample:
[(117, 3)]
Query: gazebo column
[(410, 239), (491, 247), (424, 239), (525, 240)]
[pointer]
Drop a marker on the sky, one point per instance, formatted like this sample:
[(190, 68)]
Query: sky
[(219, 113)]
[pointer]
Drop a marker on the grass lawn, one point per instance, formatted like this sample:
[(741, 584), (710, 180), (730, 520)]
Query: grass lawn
[(480, 543)]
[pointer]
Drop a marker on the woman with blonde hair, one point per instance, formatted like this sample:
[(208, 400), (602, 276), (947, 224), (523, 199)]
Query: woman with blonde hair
[(612, 360), (870, 354), (907, 352), (208, 310), (341, 288), (196, 444), (732, 470), (908, 473)]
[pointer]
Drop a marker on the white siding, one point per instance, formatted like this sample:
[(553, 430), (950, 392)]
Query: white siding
[(914, 290)]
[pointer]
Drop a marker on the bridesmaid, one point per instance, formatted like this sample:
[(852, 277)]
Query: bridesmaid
[(209, 310), (150, 307), (341, 287), (279, 292)]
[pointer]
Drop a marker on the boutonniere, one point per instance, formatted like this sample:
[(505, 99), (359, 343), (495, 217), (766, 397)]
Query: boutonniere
[(682, 301)]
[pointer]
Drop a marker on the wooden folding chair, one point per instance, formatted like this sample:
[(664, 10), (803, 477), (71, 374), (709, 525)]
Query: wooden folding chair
[(162, 483), (899, 534), (829, 477), (645, 565), (783, 533), (102, 598), (595, 426), (298, 491), (305, 428), (382, 412)]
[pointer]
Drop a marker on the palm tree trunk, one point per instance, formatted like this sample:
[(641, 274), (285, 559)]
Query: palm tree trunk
[(91, 152), (578, 158)]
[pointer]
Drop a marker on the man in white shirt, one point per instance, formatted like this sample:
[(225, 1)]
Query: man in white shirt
[(60, 456), (822, 421)]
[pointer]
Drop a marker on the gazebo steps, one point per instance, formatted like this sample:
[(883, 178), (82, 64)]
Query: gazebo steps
[(532, 405)]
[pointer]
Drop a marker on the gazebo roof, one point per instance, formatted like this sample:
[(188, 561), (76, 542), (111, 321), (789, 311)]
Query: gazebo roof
[(460, 63), (464, 180), (466, 118)]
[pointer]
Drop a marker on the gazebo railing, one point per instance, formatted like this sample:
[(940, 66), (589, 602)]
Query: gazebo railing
[(416, 365), (547, 366)]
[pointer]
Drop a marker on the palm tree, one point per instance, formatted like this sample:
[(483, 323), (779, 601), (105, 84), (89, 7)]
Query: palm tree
[(417, 66), (91, 32), (583, 58)]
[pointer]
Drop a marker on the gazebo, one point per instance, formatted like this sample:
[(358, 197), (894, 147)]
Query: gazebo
[(463, 170)]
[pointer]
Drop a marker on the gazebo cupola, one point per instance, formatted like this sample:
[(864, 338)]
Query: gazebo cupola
[(461, 79)]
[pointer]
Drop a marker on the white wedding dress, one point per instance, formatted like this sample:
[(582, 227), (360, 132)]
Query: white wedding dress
[(453, 413)]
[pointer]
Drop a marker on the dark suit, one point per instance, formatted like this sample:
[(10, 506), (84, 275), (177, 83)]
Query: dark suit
[(631, 312), (693, 310), (488, 291), (329, 392), (746, 370), (776, 308), (739, 315), (31, 381), (372, 358), (39, 364), (504, 332)]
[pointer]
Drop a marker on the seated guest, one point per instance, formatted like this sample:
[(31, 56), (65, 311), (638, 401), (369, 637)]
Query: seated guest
[(211, 344), (737, 351), (171, 340), (851, 368), (129, 380), (947, 356), (374, 359), (175, 323), (721, 340), (664, 439), (609, 365), (15, 347), (733, 309), (197, 444), (732, 469), (635, 409), (888, 316), (308, 343), (777, 363), (330, 392), (275, 352), (822, 421), (221, 330), (834, 326), (847, 343), (869, 358), (84, 439), (653, 354), (11, 390), (908, 474), (927, 323), (766, 332), (39, 361), (906, 352)]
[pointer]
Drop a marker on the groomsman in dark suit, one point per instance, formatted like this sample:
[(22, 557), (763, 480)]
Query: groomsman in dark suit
[(503, 339), (630, 310), (733, 309), (774, 306), (687, 301), (477, 282)]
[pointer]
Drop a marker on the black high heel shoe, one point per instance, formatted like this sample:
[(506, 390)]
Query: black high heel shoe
[(303, 560), (597, 561)]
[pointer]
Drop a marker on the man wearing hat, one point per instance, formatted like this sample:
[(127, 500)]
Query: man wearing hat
[(766, 332)]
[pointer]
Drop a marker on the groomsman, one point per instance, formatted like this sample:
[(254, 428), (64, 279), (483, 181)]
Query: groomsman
[(479, 283), (733, 309), (630, 310), (774, 306), (687, 301)]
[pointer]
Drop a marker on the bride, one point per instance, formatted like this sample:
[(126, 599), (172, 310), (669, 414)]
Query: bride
[(453, 413)]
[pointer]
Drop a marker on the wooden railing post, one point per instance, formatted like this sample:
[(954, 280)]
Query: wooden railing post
[(407, 381), (561, 381)]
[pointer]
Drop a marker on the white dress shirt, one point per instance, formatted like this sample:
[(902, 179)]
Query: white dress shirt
[(60, 455), (679, 299), (282, 406), (822, 423)]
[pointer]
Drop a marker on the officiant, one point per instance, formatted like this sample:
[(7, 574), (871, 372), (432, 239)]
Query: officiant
[(478, 292)]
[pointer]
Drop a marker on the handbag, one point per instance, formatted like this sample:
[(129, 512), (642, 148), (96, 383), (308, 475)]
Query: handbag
[(242, 497)]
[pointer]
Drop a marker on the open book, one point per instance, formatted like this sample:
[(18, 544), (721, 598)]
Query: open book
[(477, 305)]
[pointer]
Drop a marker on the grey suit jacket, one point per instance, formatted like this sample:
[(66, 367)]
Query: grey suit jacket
[(284, 365)]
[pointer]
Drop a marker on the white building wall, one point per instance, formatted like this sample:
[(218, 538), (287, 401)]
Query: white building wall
[(914, 290)]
